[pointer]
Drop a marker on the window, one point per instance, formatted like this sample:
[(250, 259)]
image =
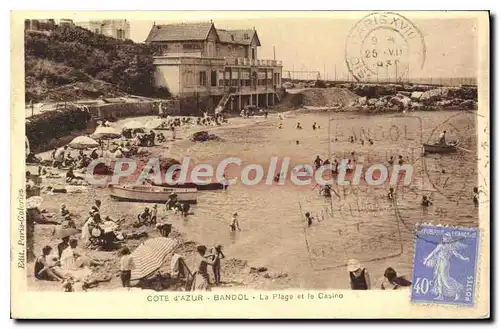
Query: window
[(213, 79), (192, 46), (253, 53), (203, 78), (96, 31), (245, 36)]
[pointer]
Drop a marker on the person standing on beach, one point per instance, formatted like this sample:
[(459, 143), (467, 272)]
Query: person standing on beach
[(234, 224), (359, 278), (217, 256), (126, 267)]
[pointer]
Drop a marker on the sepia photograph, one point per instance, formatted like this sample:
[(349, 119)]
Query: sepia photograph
[(254, 157)]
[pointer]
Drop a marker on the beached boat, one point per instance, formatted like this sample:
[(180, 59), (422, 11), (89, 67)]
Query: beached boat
[(152, 193), (439, 148), (199, 187)]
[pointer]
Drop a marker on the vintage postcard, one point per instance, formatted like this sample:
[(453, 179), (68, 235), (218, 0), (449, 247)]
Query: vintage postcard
[(251, 165)]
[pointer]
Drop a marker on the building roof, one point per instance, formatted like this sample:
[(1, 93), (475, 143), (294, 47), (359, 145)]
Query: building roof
[(199, 32), (240, 37), (179, 32)]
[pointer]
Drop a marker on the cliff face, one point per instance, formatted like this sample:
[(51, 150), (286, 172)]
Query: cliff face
[(79, 59)]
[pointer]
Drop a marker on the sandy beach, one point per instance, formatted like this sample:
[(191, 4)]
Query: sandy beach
[(274, 232)]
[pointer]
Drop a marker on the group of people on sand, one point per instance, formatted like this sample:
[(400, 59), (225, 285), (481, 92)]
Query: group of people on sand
[(201, 277), (66, 263), (61, 157), (359, 278)]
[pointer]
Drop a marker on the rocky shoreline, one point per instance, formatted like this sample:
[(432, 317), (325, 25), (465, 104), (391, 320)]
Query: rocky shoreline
[(392, 97)]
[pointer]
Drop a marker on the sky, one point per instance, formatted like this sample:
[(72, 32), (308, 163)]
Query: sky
[(317, 41)]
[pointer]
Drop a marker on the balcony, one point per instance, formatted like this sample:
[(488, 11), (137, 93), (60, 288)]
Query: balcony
[(240, 61)]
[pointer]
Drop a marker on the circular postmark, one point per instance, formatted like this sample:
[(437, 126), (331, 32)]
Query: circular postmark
[(384, 45)]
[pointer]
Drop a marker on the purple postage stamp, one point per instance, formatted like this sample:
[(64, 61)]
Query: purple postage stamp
[(445, 265)]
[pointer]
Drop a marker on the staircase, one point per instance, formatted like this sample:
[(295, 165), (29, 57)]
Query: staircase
[(223, 101)]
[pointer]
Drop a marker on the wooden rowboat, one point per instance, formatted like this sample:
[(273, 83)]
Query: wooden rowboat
[(448, 148), (152, 193)]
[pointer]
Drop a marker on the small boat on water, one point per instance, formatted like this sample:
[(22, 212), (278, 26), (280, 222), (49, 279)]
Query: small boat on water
[(152, 193), (440, 148)]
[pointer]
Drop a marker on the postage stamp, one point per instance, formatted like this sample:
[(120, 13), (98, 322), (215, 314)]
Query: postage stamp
[(445, 265)]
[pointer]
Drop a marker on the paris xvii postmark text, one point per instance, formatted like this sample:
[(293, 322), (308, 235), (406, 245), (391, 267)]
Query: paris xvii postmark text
[(385, 47)]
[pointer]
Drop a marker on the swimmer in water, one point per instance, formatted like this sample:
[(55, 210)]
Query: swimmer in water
[(318, 162), (297, 142), (309, 219), (298, 125), (314, 126), (475, 196), (390, 195), (426, 202), (391, 160)]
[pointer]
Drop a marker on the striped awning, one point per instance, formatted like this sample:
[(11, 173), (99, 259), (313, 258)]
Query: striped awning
[(150, 256)]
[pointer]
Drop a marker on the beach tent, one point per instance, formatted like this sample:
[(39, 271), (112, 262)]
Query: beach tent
[(155, 123), (133, 125), (106, 133), (83, 142), (151, 255)]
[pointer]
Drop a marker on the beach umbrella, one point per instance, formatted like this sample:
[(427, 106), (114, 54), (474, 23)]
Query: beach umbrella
[(133, 125), (83, 142), (106, 133), (155, 123), (65, 232), (150, 256), (33, 202)]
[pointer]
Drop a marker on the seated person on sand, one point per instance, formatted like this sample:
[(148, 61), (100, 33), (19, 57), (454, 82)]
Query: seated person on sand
[(67, 222), (171, 202), (94, 155), (77, 266), (391, 280), (90, 225), (63, 210), (70, 176), (144, 217), (111, 230), (32, 158), (46, 268)]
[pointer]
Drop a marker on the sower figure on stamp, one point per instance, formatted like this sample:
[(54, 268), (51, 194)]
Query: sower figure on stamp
[(440, 260)]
